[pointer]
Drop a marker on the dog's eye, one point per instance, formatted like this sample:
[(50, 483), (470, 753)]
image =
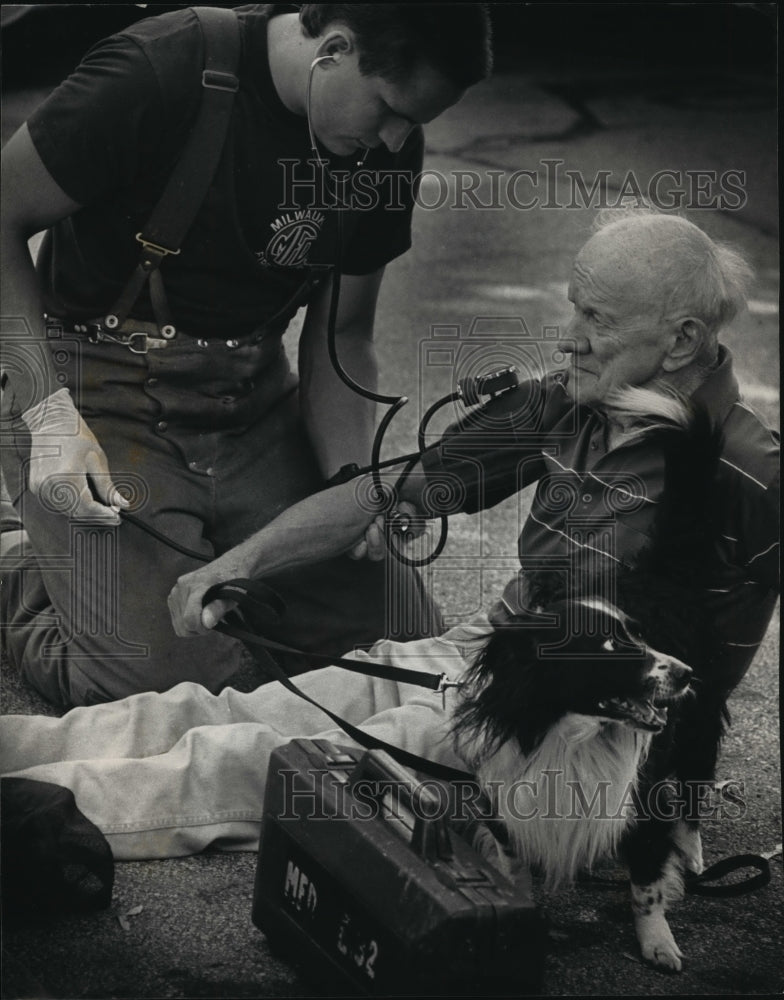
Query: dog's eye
[(609, 646)]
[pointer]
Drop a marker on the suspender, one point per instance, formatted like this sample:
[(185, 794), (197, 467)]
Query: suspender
[(185, 191)]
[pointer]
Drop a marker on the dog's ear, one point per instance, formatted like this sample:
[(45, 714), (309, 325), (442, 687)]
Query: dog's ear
[(500, 688), (510, 657)]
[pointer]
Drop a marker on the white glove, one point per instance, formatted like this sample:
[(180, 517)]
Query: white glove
[(63, 454)]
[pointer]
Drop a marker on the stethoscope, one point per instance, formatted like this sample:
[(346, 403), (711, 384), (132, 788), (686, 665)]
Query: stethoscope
[(469, 391), (396, 524)]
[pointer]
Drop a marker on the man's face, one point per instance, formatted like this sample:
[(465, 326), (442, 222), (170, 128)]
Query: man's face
[(351, 111), (619, 336)]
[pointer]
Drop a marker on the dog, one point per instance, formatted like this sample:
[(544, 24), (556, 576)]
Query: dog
[(588, 720)]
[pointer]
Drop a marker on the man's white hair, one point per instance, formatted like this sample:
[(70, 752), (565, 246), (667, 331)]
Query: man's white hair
[(701, 277)]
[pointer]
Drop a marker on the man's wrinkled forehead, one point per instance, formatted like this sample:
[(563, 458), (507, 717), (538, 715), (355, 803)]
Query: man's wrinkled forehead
[(587, 282), (615, 268)]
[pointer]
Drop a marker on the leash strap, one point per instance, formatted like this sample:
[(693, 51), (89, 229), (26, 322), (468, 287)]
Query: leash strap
[(698, 884), (188, 183), (265, 601), (267, 608)]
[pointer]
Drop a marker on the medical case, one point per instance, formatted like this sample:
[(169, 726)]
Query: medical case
[(364, 882)]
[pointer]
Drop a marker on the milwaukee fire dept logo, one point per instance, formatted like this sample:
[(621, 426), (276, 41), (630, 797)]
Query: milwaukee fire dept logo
[(293, 234)]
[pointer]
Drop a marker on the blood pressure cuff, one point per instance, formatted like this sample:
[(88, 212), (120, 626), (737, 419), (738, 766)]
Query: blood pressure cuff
[(54, 859)]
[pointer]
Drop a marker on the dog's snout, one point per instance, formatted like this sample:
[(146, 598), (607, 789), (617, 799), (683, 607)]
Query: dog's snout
[(672, 675)]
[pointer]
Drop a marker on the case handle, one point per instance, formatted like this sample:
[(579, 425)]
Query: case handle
[(430, 836)]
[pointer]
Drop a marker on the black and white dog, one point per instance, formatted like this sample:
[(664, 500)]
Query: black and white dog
[(588, 721)]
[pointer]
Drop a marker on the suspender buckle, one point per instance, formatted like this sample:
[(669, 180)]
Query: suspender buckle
[(142, 343), (155, 248)]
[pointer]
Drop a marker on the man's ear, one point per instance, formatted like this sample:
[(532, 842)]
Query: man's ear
[(337, 43), (688, 337)]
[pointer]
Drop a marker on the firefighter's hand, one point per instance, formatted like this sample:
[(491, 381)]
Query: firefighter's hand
[(186, 601), (66, 461)]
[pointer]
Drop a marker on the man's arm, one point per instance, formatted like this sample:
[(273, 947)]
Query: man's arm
[(61, 443), (340, 422), (319, 527), (31, 202)]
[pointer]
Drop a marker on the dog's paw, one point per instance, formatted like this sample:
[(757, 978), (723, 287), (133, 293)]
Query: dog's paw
[(664, 953), (650, 923), (657, 943)]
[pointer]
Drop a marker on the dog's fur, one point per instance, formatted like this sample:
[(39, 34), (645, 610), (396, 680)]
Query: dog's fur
[(578, 718)]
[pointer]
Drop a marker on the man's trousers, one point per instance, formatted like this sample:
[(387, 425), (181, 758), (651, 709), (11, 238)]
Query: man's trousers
[(85, 611), (166, 775)]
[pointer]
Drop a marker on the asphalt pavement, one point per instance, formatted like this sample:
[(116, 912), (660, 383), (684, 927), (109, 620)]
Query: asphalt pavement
[(505, 202)]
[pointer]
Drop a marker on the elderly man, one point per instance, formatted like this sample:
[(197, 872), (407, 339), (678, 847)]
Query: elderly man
[(170, 774)]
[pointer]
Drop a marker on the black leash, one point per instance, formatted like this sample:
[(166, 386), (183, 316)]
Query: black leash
[(699, 885), (261, 599)]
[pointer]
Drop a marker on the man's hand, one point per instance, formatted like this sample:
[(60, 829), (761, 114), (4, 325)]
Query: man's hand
[(64, 453), (410, 525), (188, 615), (373, 546)]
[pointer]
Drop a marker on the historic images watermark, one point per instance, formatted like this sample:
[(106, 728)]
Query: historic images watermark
[(315, 795), (549, 184)]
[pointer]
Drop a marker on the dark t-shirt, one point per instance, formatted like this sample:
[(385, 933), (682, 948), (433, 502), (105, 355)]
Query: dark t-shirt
[(110, 136)]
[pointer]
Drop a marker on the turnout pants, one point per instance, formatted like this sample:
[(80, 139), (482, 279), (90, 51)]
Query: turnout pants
[(206, 440), (166, 775)]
